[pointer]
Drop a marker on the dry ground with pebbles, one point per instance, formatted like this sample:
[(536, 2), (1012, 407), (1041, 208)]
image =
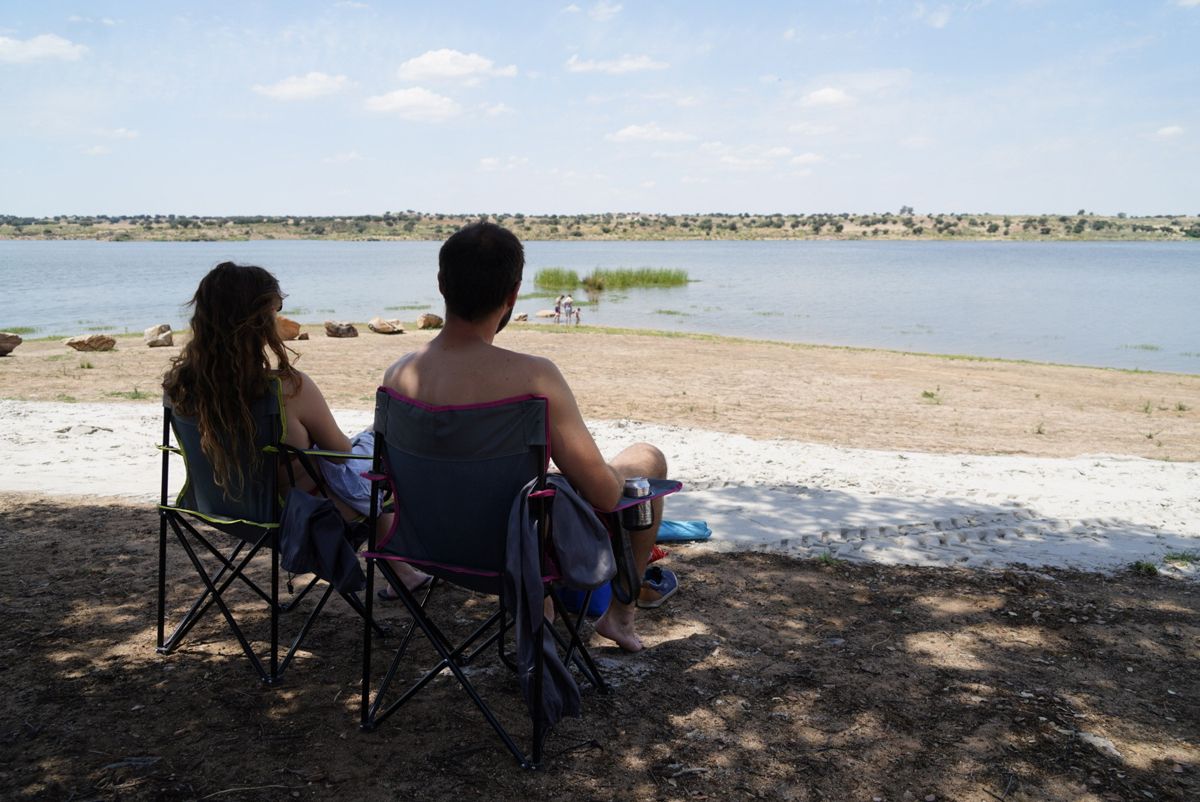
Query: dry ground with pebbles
[(767, 677)]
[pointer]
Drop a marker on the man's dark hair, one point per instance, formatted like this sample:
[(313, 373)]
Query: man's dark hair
[(477, 267)]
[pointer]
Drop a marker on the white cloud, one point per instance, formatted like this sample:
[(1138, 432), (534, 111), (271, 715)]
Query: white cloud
[(805, 159), (344, 157), (650, 132), (789, 35), (572, 9), (648, 184), (746, 157), (916, 142), (452, 65), (496, 109), (604, 11), (827, 96), (415, 104), (811, 129), (118, 133), (304, 87), (492, 164), (350, 4), (45, 46), (1188, 3), (75, 18), (937, 17), (1170, 131), (97, 150), (617, 66)]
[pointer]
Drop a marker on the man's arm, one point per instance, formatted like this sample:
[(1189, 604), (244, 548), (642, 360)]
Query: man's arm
[(572, 447)]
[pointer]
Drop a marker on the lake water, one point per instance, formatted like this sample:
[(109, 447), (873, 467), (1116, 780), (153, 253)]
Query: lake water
[(1127, 305)]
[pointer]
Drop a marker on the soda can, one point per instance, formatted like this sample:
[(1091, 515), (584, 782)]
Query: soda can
[(639, 516)]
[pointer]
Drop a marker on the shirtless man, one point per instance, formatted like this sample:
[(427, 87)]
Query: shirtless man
[(479, 276)]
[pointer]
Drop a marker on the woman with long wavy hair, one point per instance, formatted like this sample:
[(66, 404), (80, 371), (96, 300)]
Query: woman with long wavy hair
[(230, 361)]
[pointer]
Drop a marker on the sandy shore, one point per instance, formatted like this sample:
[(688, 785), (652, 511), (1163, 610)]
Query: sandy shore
[(863, 455)]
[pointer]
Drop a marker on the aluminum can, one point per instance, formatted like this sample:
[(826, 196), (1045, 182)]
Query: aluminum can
[(639, 516)]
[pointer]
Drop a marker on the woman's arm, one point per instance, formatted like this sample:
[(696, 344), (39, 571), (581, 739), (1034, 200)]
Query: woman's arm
[(310, 420)]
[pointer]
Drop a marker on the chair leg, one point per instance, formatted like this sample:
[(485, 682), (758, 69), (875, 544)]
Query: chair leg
[(575, 651), (205, 600), (162, 578)]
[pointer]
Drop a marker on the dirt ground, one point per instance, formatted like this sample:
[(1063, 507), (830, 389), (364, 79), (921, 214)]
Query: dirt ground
[(766, 678), (837, 396)]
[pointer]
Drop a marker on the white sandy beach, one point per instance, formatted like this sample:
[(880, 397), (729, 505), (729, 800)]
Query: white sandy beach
[(1095, 512)]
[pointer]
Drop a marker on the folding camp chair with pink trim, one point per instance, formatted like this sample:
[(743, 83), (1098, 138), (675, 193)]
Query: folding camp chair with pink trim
[(455, 473)]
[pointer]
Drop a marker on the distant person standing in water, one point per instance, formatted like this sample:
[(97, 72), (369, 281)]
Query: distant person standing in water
[(568, 301)]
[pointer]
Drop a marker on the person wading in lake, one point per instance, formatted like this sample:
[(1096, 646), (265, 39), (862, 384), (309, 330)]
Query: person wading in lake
[(479, 276)]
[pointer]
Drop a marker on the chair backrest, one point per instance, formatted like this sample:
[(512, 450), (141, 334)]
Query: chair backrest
[(255, 500), (455, 471)]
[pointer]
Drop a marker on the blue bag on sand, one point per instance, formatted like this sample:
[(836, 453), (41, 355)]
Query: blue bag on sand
[(682, 531)]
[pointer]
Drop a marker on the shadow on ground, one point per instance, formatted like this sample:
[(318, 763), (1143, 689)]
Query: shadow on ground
[(768, 677)]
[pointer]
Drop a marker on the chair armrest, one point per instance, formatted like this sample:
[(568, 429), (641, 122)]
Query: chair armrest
[(658, 489)]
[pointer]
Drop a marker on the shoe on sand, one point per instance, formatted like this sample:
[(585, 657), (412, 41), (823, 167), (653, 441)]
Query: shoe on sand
[(658, 585)]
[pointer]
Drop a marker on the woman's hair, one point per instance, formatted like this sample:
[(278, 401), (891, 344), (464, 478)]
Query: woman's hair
[(226, 365)]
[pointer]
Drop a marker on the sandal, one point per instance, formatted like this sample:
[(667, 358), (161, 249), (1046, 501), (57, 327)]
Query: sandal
[(658, 585)]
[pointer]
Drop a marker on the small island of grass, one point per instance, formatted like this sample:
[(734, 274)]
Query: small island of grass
[(600, 279)]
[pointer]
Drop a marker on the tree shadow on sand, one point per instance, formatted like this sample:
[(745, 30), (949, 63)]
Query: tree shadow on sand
[(768, 677)]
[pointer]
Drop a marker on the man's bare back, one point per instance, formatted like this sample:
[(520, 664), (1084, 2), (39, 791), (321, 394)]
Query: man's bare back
[(480, 277)]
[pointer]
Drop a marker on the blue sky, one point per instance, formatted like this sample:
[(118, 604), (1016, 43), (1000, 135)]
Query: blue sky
[(347, 107)]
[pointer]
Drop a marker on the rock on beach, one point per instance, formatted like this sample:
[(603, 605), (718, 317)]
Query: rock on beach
[(91, 342), (158, 336), (429, 321), (381, 326), (9, 341), (288, 329), (334, 328)]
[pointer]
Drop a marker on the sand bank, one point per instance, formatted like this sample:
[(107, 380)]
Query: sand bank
[(781, 496)]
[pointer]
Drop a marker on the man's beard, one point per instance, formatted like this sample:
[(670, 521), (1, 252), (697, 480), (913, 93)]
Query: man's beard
[(504, 320)]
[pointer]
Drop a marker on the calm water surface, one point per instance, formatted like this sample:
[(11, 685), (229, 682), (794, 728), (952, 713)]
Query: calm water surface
[(1128, 305)]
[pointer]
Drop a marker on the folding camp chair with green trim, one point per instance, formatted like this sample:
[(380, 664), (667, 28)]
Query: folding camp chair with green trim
[(249, 518)]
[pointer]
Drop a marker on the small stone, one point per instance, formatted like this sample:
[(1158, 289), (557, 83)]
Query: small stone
[(931, 798), (429, 321), (302, 335), (521, 317), (287, 328), (339, 329), (1101, 744), (91, 342)]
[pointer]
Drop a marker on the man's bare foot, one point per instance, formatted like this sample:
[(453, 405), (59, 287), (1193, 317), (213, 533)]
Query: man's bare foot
[(617, 625), (413, 579)]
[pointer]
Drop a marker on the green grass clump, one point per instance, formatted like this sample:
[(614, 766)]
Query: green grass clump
[(86, 365), (133, 395), (556, 278), (626, 278), (675, 312), (1183, 557), (405, 307), (1144, 567), (1144, 347), (20, 329)]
